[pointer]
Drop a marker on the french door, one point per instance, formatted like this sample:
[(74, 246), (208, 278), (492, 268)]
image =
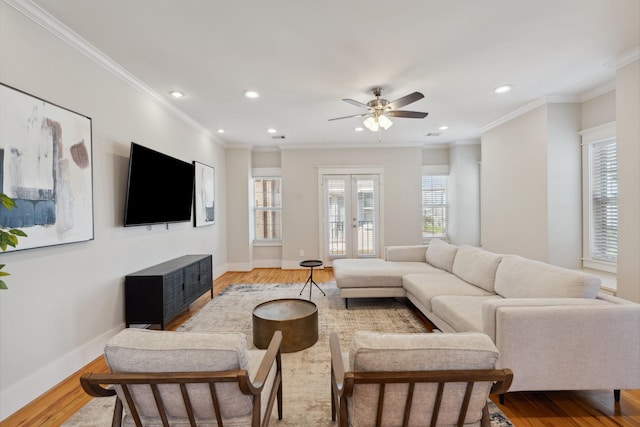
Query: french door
[(351, 216)]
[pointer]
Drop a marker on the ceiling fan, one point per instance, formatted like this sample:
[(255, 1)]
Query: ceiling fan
[(379, 110)]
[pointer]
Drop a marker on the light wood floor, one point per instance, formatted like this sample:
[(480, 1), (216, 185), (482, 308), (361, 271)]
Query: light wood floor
[(530, 409)]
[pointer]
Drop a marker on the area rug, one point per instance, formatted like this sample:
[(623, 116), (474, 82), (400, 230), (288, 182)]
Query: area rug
[(306, 373)]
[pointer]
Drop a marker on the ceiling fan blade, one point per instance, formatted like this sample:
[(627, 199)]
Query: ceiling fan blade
[(407, 114), (354, 102), (349, 117), (405, 100)]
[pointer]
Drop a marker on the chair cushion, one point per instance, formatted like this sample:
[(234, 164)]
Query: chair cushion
[(519, 277), (371, 351), (410, 352), (441, 254), (477, 266), (143, 350)]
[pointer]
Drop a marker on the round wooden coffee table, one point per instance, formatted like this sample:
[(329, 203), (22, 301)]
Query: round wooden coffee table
[(296, 318)]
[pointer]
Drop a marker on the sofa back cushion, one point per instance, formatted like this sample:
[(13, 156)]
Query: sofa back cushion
[(519, 277), (441, 254), (477, 266), (143, 350), (370, 351)]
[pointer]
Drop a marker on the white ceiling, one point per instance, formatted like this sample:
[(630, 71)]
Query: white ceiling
[(305, 56)]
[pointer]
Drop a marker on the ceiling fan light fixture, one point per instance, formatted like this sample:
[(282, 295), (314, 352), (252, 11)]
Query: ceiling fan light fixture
[(372, 124), (385, 122)]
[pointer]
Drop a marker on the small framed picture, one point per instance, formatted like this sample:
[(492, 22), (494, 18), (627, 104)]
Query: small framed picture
[(204, 212)]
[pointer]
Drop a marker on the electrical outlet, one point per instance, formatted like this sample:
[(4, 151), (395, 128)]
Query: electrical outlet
[(301, 252)]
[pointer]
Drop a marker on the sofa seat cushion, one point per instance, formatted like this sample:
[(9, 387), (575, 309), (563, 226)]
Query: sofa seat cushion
[(519, 277), (463, 313), (477, 266), (372, 273), (424, 287), (441, 254)]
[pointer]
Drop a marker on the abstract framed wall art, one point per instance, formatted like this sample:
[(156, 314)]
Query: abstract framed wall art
[(46, 168), (204, 195)]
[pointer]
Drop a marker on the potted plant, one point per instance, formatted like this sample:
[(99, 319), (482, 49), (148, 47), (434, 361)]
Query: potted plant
[(8, 236)]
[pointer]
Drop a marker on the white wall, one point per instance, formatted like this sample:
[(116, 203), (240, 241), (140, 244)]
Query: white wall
[(464, 194), (240, 221), (531, 186), (514, 186), (628, 137), (564, 185), (599, 110), (65, 301), (402, 172)]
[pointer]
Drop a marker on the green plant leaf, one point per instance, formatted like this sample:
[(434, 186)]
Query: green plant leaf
[(12, 240), (3, 285), (7, 201), (4, 273), (17, 232)]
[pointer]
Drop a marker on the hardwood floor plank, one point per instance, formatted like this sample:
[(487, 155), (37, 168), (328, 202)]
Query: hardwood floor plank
[(524, 409)]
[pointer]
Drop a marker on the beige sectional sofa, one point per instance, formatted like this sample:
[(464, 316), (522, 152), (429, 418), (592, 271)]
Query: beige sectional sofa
[(553, 326)]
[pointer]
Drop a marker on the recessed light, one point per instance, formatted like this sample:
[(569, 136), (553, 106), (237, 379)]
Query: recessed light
[(272, 130), (252, 94), (443, 127), (220, 130), (359, 129), (503, 89), (176, 94)]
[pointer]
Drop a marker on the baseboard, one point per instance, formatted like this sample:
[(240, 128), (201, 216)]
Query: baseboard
[(267, 263), (239, 266), (20, 394)]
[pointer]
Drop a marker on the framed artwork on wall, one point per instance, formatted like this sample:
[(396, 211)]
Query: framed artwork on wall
[(46, 168), (204, 195)]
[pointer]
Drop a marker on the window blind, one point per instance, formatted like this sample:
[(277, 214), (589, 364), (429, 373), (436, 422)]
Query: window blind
[(604, 201), (267, 208), (434, 205)]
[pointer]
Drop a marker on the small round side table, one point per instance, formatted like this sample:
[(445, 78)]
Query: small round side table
[(311, 263)]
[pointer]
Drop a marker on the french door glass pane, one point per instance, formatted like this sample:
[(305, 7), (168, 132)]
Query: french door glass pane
[(365, 216), (336, 215)]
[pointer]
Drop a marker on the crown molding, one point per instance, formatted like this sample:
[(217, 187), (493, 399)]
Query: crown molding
[(624, 59), (544, 100), (64, 33), (600, 90), (336, 146)]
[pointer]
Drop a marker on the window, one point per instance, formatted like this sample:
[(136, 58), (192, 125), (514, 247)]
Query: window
[(601, 194), (267, 195), (434, 206)]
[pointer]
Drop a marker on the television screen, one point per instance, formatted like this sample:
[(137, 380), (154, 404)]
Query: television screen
[(159, 188)]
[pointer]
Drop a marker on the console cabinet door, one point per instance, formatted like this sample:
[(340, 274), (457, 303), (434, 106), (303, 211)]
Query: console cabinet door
[(174, 297)]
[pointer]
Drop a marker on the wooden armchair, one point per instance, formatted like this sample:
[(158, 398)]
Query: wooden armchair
[(412, 379), (195, 394)]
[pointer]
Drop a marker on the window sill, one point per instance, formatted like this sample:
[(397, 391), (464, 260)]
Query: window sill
[(264, 243), (592, 264)]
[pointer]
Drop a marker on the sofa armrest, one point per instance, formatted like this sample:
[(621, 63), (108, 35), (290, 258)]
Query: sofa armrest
[(411, 253), (566, 343)]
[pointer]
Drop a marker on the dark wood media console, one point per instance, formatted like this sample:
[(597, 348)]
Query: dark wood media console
[(159, 293)]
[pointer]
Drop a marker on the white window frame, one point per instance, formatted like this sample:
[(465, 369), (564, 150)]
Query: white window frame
[(435, 170), (591, 137), (265, 173)]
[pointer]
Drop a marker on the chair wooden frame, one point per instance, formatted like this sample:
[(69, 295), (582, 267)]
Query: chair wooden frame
[(343, 385), (93, 384)]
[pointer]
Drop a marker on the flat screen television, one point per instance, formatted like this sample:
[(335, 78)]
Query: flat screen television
[(159, 188)]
